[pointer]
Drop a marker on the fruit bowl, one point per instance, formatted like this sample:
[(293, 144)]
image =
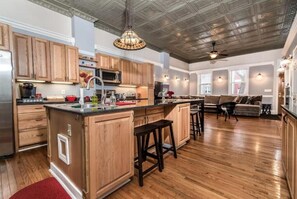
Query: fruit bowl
[(71, 98)]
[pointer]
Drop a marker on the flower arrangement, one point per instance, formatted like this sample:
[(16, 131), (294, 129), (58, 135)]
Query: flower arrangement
[(170, 93)]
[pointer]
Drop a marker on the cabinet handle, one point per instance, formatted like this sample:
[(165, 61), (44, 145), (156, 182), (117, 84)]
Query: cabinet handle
[(38, 108), (39, 119), (39, 135)]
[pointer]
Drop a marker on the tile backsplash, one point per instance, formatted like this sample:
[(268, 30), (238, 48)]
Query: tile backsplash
[(47, 89)]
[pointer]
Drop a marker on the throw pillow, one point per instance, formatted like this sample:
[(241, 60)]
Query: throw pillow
[(256, 98), (237, 99), (249, 100), (243, 100)]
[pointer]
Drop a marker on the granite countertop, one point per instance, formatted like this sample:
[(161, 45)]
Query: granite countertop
[(45, 102), (292, 109), (75, 108)]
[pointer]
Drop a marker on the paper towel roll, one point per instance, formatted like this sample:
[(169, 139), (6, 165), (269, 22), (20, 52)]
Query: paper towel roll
[(81, 96)]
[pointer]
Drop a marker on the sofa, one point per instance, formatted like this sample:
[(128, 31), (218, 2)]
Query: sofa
[(246, 105)]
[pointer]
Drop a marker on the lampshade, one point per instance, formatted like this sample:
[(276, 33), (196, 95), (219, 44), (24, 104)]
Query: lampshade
[(129, 41), (213, 55)]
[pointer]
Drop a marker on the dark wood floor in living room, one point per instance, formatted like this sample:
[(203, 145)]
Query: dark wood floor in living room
[(231, 160)]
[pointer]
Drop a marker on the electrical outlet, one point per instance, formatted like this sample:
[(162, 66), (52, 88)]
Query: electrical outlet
[(69, 130), (62, 91)]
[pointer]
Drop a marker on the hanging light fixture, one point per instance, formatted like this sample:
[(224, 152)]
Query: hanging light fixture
[(129, 39)]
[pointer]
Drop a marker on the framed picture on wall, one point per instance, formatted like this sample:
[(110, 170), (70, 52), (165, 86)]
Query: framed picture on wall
[(84, 75)]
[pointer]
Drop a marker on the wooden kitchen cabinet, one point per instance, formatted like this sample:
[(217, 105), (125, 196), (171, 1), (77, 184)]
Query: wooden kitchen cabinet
[(72, 67), (289, 151), (103, 61), (5, 34), (41, 59), (32, 59), (125, 67), (114, 63), (181, 127), (110, 141), (64, 63), (108, 62), (150, 74), (58, 61), (32, 125), (23, 56), (136, 74)]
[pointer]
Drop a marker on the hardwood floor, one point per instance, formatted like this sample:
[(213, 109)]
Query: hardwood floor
[(231, 160)]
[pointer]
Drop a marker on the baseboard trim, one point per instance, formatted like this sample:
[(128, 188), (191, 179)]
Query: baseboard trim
[(31, 147), (69, 187)]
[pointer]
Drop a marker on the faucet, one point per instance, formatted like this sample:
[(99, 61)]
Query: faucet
[(102, 88)]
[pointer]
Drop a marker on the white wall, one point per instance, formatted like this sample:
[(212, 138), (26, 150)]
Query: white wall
[(178, 63), (30, 16)]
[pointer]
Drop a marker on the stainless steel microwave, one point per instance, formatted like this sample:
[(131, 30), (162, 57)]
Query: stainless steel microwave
[(109, 76)]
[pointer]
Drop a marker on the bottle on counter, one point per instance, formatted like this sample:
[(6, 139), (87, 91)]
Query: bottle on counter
[(113, 99), (94, 99)]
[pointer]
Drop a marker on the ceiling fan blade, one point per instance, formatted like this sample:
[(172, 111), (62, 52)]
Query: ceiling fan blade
[(224, 55), (223, 50)]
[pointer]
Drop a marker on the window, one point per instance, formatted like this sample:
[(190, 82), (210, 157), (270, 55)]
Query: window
[(205, 83), (239, 82)]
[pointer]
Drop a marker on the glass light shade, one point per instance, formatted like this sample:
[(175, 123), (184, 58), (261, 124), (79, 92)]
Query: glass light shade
[(259, 76), (213, 55), (220, 79), (129, 41)]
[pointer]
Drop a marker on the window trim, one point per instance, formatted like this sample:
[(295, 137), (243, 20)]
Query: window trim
[(199, 83), (246, 81)]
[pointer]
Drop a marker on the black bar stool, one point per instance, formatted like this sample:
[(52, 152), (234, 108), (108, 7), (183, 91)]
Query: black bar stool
[(195, 114), (142, 134), (160, 125)]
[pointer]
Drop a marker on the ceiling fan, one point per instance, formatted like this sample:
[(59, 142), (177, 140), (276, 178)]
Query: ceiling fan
[(214, 54)]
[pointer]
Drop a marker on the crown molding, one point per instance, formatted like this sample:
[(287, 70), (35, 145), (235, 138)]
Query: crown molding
[(37, 30), (65, 10)]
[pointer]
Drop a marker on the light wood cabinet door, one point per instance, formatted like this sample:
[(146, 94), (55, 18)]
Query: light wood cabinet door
[(150, 74), (144, 74), (183, 123), (23, 56), (284, 142), (72, 67), (58, 61), (111, 151), (291, 154), (41, 59), (136, 74), (103, 61), (125, 69), (4, 36), (114, 63)]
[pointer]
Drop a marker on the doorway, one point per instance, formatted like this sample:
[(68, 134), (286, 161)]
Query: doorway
[(281, 91)]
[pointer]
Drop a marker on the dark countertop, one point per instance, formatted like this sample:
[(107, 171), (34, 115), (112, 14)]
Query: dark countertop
[(74, 108), (45, 102), (292, 109)]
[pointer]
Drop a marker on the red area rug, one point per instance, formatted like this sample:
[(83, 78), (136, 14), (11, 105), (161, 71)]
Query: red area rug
[(45, 189)]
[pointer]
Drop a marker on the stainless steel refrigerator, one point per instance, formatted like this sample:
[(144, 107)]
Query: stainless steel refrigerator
[(6, 105)]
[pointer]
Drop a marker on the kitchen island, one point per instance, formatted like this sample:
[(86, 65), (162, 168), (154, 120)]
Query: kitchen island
[(91, 150)]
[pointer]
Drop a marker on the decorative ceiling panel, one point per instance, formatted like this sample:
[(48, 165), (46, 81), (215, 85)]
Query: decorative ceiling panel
[(186, 28)]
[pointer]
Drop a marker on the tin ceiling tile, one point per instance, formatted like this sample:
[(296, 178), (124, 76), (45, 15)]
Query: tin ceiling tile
[(186, 28)]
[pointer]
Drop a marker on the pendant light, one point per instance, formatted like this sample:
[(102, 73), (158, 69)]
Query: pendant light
[(129, 39)]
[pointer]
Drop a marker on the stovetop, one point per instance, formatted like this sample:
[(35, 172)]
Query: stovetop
[(29, 100)]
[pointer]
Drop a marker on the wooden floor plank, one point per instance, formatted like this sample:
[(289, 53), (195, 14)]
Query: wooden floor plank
[(230, 160)]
